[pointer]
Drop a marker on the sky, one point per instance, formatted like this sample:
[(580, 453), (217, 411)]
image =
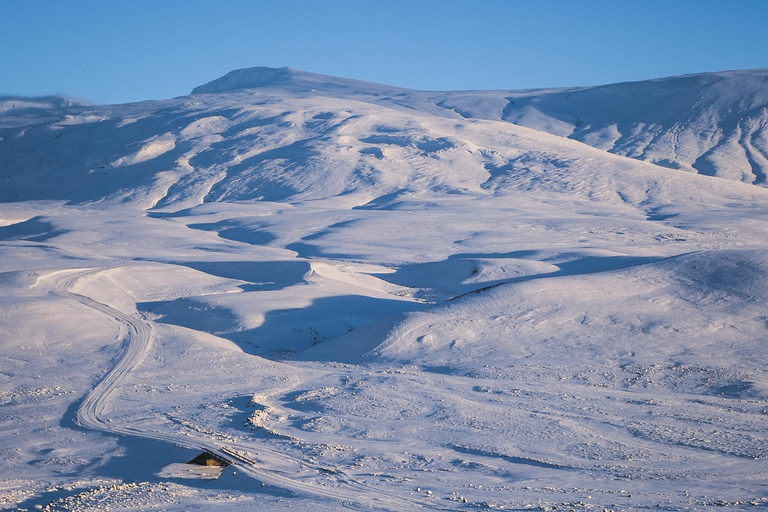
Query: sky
[(119, 51)]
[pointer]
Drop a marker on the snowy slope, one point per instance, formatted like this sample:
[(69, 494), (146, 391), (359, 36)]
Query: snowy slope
[(369, 297), (713, 123)]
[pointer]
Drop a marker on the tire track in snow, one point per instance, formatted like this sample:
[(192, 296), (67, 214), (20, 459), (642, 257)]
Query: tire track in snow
[(351, 494), (135, 346)]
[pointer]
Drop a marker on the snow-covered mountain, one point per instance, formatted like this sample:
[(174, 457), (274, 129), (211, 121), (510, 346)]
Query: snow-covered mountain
[(373, 297), (713, 124)]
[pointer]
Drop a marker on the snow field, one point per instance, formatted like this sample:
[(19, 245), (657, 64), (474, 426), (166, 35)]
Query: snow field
[(384, 298)]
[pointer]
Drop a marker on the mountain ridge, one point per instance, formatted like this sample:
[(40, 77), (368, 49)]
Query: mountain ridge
[(368, 138), (710, 123)]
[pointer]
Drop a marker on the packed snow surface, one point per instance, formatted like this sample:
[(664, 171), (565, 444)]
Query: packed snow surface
[(369, 297)]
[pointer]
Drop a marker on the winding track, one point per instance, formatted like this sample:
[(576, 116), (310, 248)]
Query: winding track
[(136, 343), (134, 348)]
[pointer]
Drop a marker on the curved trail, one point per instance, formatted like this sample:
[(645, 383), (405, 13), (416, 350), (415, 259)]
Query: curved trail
[(134, 348), (136, 343)]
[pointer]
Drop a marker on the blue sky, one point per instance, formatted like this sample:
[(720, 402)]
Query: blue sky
[(114, 51)]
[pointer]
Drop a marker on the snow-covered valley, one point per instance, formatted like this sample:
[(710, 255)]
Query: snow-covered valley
[(370, 297)]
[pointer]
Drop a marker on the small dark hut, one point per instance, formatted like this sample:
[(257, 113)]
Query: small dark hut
[(209, 459)]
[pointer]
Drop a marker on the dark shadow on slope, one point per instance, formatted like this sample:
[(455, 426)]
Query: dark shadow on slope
[(33, 230), (386, 202), (196, 315), (57, 165), (424, 144), (704, 164), (263, 275), (448, 277), (353, 346), (753, 157), (305, 250), (288, 332), (594, 264), (463, 113), (739, 390), (657, 214), (438, 280), (530, 168), (239, 127), (331, 229), (402, 200), (308, 250), (747, 141), (234, 230), (587, 265), (508, 458), (448, 370), (496, 172), (255, 177), (162, 214), (508, 108), (252, 178), (59, 168), (376, 152)]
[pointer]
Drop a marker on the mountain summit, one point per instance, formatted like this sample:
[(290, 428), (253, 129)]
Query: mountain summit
[(248, 78), (289, 79)]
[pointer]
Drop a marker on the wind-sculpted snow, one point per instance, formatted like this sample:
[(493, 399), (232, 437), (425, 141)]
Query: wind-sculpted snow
[(369, 297), (278, 148), (262, 137), (714, 124)]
